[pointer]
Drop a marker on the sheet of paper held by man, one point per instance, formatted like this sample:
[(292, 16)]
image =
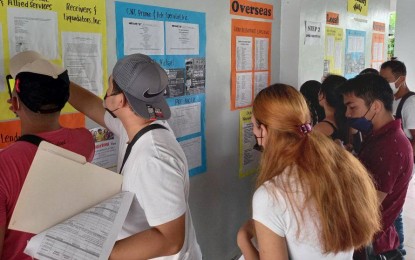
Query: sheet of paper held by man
[(88, 235), (59, 185)]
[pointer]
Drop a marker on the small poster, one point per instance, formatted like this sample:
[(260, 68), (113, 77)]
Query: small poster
[(312, 33), (248, 157), (250, 61), (358, 6), (355, 53), (333, 51), (106, 148)]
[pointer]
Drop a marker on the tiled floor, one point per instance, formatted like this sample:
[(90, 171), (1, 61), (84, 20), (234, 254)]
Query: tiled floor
[(409, 221)]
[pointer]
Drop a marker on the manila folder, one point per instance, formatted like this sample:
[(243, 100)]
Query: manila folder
[(59, 185)]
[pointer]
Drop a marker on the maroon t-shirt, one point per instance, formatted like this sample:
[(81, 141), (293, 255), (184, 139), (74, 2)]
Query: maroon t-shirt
[(387, 155), (15, 162)]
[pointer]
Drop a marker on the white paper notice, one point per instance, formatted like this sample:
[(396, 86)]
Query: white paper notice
[(193, 150), (260, 81), (243, 53), (182, 39), (261, 53), (88, 235), (312, 33), (2, 72), (185, 119), (356, 44), (338, 50), (330, 46), (143, 36), (243, 89), (378, 51), (31, 29), (82, 57)]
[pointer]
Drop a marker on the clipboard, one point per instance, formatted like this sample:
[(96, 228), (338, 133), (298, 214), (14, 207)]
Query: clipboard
[(59, 185)]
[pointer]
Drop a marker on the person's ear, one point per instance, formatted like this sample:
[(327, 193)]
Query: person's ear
[(264, 130), (15, 104), (122, 100), (377, 106), (402, 80)]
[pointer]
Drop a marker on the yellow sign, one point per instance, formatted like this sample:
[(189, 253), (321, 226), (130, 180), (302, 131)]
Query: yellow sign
[(248, 157), (333, 52), (358, 6), (70, 33)]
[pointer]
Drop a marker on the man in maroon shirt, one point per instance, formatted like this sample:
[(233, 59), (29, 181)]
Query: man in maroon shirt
[(386, 152)]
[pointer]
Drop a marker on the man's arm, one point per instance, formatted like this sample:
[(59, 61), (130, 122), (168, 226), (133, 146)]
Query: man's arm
[(87, 103), (163, 240)]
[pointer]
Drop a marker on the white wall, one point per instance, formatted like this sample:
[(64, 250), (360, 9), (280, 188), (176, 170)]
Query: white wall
[(405, 38), (219, 200), (300, 62)]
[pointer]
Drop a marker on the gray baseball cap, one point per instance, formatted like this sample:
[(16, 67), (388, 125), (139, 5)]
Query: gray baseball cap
[(143, 82)]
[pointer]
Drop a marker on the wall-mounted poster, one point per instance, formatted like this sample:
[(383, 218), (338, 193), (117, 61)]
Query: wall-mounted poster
[(250, 60), (71, 33), (355, 53), (358, 6), (248, 157), (333, 51), (378, 49), (176, 39)]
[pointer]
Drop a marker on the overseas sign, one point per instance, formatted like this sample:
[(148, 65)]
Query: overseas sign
[(251, 9)]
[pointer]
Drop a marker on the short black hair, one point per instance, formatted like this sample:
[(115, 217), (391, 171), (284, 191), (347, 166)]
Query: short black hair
[(115, 88), (397, 67), (370, 87), (369, 70)]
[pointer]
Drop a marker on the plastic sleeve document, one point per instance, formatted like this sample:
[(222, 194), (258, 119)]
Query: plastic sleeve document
[(88, 235), (81, 201)]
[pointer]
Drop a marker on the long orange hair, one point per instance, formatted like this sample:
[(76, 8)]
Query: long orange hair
[(334, 182)]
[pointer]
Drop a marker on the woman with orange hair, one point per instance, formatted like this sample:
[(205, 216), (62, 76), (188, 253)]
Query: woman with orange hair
[(313, 199)]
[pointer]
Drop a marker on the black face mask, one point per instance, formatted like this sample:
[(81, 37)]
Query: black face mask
[(257, 146), (105, 106)]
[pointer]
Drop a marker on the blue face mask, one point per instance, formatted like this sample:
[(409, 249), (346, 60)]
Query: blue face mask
[(361, 124)]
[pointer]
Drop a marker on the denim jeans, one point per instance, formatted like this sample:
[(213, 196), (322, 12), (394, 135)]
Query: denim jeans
[(399, 229)]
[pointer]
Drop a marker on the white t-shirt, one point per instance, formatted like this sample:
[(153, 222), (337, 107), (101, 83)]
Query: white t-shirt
[(156, 171), (280, 218), (408, 114)]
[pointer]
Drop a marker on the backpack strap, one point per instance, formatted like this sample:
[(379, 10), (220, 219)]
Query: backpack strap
[(135, 139), (400, 106), (33, 139)]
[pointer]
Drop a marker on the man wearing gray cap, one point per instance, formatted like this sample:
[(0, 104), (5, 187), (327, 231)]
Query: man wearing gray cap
[(152, 162)]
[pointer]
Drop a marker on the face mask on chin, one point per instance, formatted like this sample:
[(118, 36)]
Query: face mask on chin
[(109, 111), (361, 124), (393, 86)]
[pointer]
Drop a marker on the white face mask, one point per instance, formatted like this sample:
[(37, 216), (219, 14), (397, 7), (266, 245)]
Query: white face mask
[(393, 86)]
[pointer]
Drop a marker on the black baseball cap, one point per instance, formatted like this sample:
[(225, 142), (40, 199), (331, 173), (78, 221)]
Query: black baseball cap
[(42, 86)]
